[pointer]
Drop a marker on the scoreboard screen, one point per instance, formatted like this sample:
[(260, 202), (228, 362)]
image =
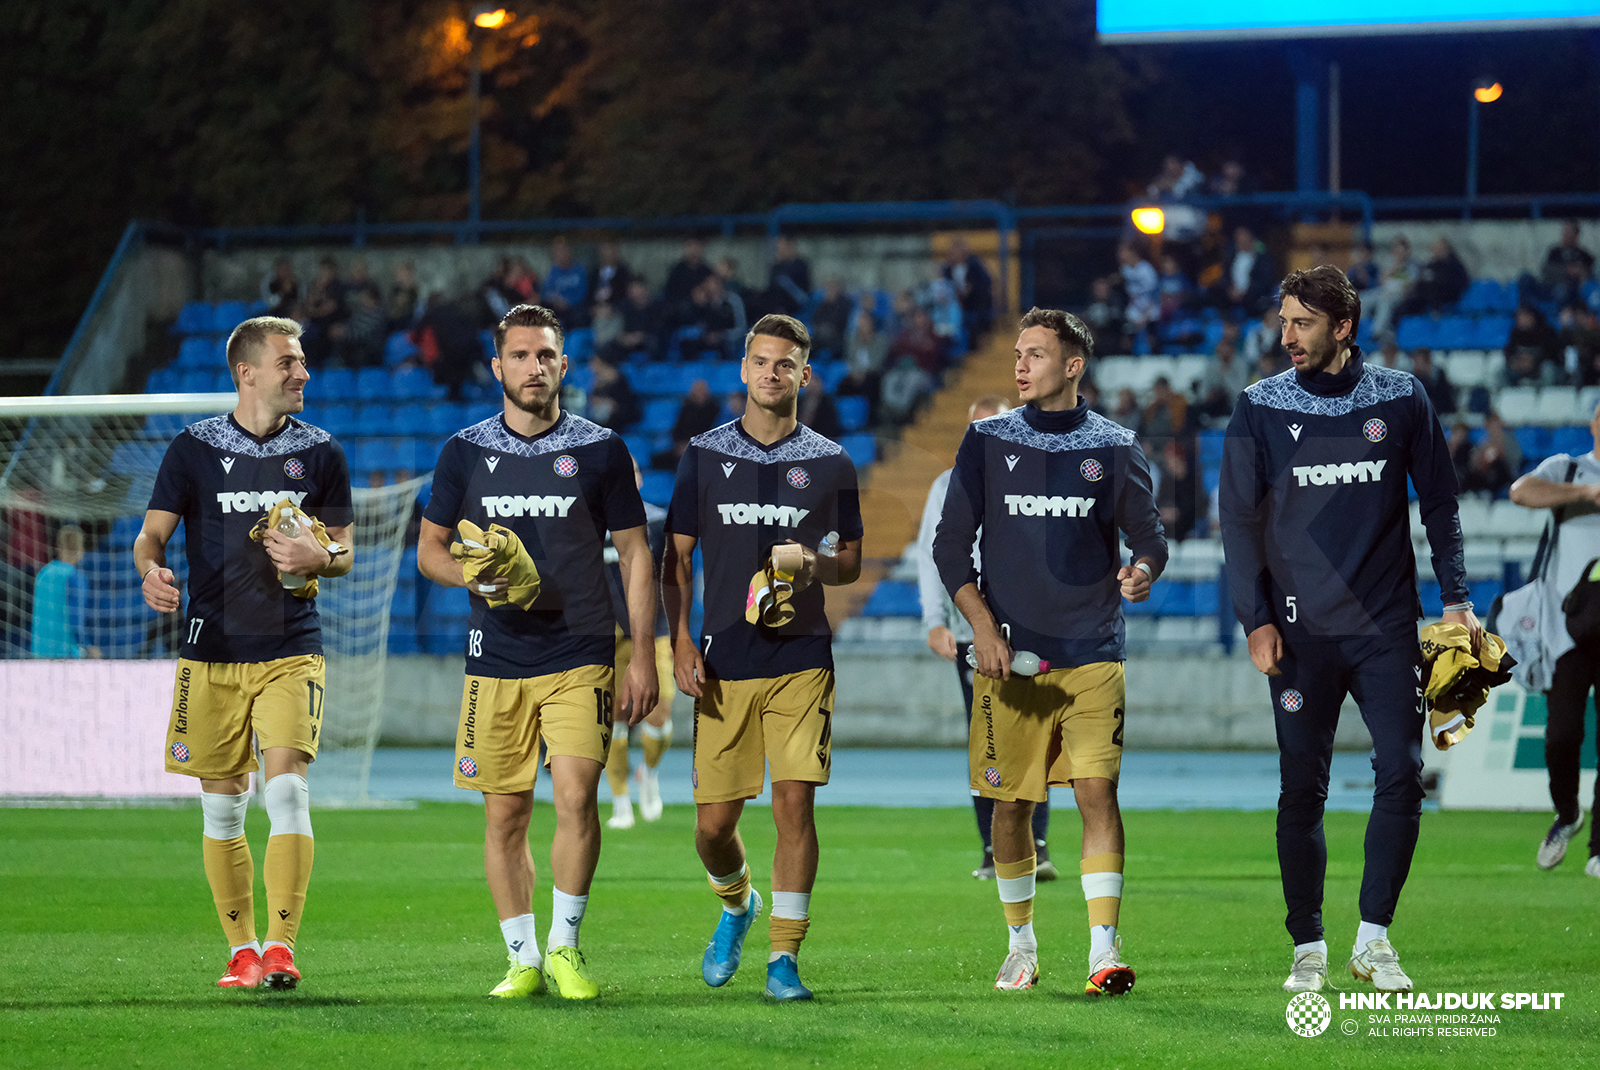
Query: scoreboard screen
[(1136, 21)]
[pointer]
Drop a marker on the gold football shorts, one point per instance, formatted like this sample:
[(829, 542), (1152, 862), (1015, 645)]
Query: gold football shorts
[(502, 722), (218, 705), (1030, 732), (740, 726)]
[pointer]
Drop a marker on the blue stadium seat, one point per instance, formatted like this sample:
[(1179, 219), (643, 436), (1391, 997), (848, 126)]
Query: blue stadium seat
[(222, 382), (1483, 295), (376, 419), (1211, 447), (481, 411), (339, 420), (580, 344), (374, 383), (229, 314), (399, 347), (579, 377), (893, 598), (486, 340), (1416, 331), (446, 418), (410, 419), (334, 384), (163, 381), (725, 379), (657, 487), (640, 447), (659, 415), (1535, 442), (853, 412), (196, 381), (193, 318), (427, 452), (863, 449), (163, 425), (130, 458), (1491, 332), (1455, 332), (196, 352), (1573, 441)]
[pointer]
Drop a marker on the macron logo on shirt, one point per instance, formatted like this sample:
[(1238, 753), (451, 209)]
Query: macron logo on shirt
[(785, 516), (1053, 504), (507, 505), (1321, 475), (255, 501)]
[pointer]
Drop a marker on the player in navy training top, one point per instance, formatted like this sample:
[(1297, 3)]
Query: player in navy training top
[(762, 690), (541, 671), (1317, 533), (1048, 486), (251, 661)]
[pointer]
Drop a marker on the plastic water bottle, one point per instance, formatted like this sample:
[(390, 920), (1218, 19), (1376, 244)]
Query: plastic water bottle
[(829, 546), (1025, 663), (288, 525)]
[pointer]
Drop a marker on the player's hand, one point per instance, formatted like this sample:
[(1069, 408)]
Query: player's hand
[(640, 690), (1135, 583), (1591, 493), (488, 586), (994, 655), (688, 669), (1469, 621), (302, 555), (160, 590), (942, 641), (1266, 649)]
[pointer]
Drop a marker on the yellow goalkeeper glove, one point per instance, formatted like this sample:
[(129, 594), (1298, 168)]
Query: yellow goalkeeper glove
[(273, 521), (497, 552)]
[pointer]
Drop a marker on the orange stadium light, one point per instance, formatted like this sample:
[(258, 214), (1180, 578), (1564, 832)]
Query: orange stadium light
[(1149, 220), (491, 20), (1488, 94)]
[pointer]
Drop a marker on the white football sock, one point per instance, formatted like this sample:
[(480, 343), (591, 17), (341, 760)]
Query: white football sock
[(223, 815), (1315, 945), (1022, 938), (289, 805), (1367, 932), (1102, 938), (568, 916), (254, 945), (522, 939), (795, 906), (729, 879)]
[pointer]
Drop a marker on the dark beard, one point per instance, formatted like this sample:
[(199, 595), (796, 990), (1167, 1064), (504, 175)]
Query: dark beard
[(539, 411), (1319, 366)]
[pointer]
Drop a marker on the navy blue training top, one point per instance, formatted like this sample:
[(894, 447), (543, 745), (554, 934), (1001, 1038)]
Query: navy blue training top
[(1315, 519), (560, 491), (221, 479), (1045, 493), (740, 498)]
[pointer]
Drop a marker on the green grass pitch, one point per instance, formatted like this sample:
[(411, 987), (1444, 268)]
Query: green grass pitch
[(109, 948)]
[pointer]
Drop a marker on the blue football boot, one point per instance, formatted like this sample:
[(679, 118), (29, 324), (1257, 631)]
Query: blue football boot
[(721, 960), (783, 979)]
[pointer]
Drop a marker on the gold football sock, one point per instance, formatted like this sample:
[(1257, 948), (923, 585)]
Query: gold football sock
[(1015, 881), (617, 762), (232, 875), (1102, 887), (287, 873), (655, 743), (732, 891), (786, 934)]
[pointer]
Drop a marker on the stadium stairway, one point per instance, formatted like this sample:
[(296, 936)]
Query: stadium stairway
[(895, 489)]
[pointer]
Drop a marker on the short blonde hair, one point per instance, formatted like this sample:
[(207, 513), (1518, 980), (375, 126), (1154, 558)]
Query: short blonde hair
[(244, 344)]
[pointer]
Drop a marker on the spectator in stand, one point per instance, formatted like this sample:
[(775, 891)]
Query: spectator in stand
[(1167, 413), (1225, 378), (606, 323), (817, 411), (697, 415), (867, 349), (1143, 287), (1126, 412), (733, 405), (974, 288), (921, 343), (1248, 280), (831, 318), (1178, 180), (687, 274), (1580, 343), (60, 596), (612, 402), (1176, 289), (1104, 317), (1230, 180), (323, 309), (1434, 381), (644, 325), (280, 291), (905, 310), (1264, 339), (1532, 349), (1269, 364), (360, 281), (728, 271), (721, 322), (1091, 395), (1389, 354), (405, 302), (946, 313), (1461, 452), (905, 387), (611, 275), (865, 308), (1439, 283), (1497, 460), (1393, 285), (566, 287), (1363, 271), (358, 341), (512, 283), (789, 284), (448, 340), (1178, 491), (1567, 266)]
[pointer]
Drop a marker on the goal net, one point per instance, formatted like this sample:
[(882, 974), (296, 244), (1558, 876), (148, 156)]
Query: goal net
[(86, 666)]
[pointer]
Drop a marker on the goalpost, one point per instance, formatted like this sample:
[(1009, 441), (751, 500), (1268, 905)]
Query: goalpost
[(86, 667)]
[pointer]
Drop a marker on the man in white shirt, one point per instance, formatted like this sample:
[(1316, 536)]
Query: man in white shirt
[(1571, 486), (950, 637)]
